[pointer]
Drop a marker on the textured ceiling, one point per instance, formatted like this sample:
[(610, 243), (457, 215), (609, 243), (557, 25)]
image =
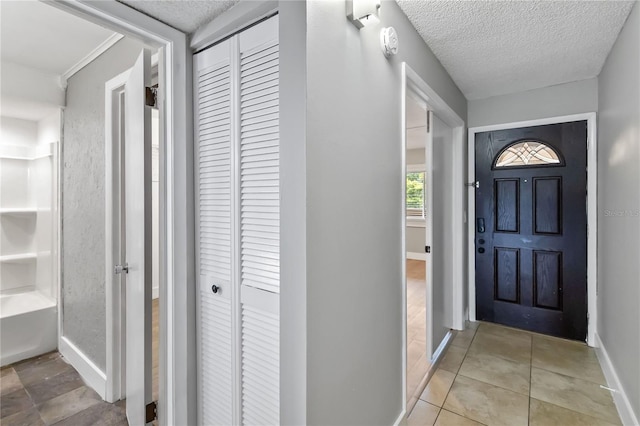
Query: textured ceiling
[(496, 47), (39, 36), (184, 15)]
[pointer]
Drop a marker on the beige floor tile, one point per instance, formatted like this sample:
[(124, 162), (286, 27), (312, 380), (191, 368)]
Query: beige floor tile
[(497, 371), (423, 414), (463, 338), (438, 387), (502, 331), (447, 418), (544, 414), (472, 324), (517, 349), (452, 359), (573, 359), (486, 403), (574, 394)]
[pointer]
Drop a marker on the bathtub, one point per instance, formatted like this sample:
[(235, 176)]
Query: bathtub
[(28, 326)]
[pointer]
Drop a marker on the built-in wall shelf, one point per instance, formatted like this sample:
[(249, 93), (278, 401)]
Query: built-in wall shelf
[(25, 211), (27, 153), (19, 258)]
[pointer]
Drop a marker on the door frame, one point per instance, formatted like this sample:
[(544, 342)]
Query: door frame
[(177, 346), (592, 210), (114, 292), (411, 82)]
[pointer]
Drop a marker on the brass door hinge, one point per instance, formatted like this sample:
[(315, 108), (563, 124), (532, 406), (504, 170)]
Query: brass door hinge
[(151, 411)]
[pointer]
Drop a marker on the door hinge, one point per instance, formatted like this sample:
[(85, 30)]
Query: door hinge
[(428, 121), (151, 96), (427, 249), (151, 411)]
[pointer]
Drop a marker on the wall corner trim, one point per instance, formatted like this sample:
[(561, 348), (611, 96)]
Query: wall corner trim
[(401, 420), (91, 56), (90, 373), (625, 410)]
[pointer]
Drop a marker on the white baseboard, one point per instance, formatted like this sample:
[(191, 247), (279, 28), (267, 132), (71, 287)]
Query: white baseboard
[(625, 410), (90, 373), (155, 292), (440, 350), (416, 256), (401, 418)]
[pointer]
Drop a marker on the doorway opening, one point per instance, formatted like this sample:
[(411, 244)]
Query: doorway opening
[(53, 101), (433, 223), (551, 167)]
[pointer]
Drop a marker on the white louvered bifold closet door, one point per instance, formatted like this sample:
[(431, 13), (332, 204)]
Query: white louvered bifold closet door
[(260, 223), (237, 125), (213, 134)]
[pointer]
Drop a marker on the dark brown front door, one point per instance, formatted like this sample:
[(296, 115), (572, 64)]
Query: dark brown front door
[(531, 228)]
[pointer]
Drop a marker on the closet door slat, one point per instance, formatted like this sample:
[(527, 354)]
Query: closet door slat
[(213, 121), (260, 223)]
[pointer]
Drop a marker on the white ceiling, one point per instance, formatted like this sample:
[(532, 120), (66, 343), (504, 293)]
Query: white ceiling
[(37, 36), (184, 15), (416, 124), (492, 48), (43, 37)]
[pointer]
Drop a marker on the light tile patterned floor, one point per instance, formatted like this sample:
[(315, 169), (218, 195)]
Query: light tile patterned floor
[(494, 375)]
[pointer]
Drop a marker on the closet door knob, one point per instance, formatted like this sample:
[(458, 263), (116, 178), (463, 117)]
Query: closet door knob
[(215, 288)]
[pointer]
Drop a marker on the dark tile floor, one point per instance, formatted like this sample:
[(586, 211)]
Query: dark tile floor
[(45, 390)]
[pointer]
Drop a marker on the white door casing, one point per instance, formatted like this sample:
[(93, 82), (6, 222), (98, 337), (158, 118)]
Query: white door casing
[(238, 227), (429, 232), (440, 218), (137, 161)]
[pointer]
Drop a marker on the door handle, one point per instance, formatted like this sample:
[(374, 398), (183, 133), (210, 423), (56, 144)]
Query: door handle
[(480, 225)]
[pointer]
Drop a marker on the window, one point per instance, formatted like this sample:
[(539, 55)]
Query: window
[(528, 154), (415, 195)]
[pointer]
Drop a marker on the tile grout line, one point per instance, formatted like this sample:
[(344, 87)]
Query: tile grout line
[(475, 332)]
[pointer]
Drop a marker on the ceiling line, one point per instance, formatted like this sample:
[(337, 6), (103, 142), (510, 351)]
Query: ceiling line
[(90, 57)]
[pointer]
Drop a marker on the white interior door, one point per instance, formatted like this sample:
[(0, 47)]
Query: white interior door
[(137, 160), (439, 188)]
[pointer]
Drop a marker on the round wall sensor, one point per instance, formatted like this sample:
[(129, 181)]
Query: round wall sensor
[(389, 41)]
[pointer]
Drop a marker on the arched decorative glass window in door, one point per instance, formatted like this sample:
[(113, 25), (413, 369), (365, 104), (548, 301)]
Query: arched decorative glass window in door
[(528, 153)]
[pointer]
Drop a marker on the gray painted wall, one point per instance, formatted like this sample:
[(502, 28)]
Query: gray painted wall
[(83, 251), (562, 99), (354, 286), (415, 236), (293, 220), (619, 236)]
